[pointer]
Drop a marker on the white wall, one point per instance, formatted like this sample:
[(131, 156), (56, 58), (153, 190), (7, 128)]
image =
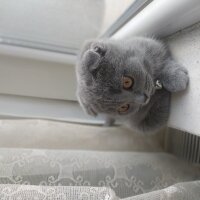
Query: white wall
[(185, 107)]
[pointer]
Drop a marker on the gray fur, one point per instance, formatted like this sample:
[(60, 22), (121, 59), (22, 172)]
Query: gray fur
[(100, 68)]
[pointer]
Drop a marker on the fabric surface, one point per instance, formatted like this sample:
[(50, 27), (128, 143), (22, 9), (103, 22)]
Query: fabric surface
[(26, 192), (180, 191), (126, 173)]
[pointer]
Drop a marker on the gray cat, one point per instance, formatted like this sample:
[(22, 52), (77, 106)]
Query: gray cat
[(129, 80)]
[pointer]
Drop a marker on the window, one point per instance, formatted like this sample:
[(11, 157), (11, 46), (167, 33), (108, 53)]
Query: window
[(54, 25)]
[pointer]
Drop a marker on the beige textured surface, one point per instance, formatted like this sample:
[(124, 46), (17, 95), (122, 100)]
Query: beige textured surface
[(53, 135)]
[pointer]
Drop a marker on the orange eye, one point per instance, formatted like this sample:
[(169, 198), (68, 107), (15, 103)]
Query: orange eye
[(127, 82), (123, 108)]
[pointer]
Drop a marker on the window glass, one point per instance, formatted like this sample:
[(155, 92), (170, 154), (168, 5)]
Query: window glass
[(57, 24)]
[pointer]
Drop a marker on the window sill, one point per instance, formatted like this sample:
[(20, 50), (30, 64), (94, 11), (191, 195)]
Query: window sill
[(185, 106)]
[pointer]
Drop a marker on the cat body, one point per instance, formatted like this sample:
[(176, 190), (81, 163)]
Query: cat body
[(118, 79)]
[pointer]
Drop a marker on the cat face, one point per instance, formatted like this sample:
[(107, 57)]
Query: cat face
[(113, 78)]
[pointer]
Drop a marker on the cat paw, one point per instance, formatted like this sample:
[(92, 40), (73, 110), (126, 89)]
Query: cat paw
[(177, 81)]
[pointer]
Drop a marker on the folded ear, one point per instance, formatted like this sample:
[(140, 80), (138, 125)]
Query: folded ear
[(86, 46), (95, 45), (92, 54), (90, 61), (99, 49)]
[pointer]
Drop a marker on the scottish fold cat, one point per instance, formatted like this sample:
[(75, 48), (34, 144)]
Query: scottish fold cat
[(130, 80)]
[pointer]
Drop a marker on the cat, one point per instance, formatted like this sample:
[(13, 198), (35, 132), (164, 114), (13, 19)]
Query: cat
[(131, 80)]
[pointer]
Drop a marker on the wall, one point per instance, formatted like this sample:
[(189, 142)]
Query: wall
[(185, 108)]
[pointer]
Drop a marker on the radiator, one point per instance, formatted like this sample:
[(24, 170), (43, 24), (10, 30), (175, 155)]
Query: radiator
[(183, 144)]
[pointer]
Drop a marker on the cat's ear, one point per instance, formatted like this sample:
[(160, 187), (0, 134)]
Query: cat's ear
[(99, 49), (86, 46), (92, 55), (91, 61), (96, 46)]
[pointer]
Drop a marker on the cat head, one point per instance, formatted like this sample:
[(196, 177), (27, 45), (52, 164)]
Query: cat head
[(113, 78)]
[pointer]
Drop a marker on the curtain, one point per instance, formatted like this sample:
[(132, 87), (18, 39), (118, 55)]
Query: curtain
[(63, 174)]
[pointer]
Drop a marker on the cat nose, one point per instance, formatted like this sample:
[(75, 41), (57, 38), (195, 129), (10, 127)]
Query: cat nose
[(142, 98)]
